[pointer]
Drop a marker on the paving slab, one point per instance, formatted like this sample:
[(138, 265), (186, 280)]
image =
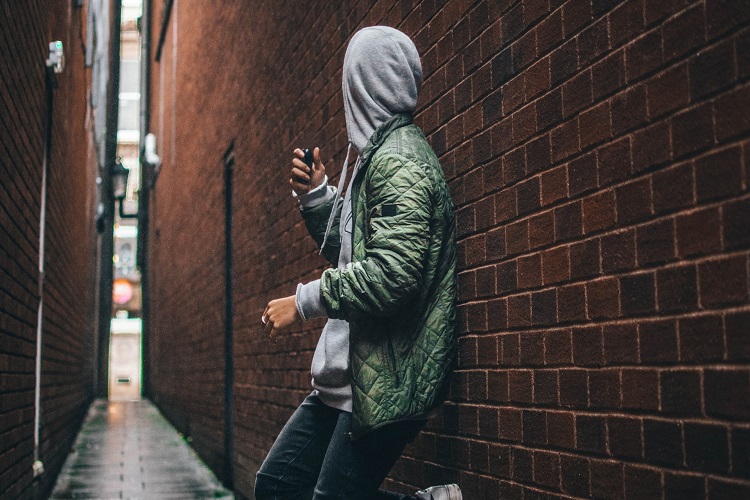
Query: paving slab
[(127, 449)]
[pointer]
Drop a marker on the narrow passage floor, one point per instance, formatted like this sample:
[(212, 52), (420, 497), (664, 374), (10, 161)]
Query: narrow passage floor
[(128, 450)]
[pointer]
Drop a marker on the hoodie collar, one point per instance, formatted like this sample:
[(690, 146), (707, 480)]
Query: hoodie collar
[(381, 133)]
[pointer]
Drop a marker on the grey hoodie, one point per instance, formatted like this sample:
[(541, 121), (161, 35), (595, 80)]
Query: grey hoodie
[(381, 77)]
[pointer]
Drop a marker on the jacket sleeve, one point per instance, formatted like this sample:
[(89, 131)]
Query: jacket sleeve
[(316, 220), (398, 194)]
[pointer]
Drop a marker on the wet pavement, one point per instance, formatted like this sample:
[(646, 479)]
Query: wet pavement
[(128, 450)]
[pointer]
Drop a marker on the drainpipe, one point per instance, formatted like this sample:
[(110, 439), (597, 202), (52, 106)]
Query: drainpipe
[(53, 65), (110, 152), (143, 200)]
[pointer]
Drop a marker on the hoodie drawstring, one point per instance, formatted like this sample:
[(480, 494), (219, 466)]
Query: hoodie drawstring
[(340, 187)]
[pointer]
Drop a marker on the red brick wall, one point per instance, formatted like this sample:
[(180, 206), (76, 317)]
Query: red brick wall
[(67, 349), (597, 152)]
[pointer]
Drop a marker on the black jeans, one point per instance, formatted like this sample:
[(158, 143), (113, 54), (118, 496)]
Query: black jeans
[(313, 457)]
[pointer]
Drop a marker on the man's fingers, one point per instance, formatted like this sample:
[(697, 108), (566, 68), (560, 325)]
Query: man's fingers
[(300, 165), (316, 157), (299, 153), (300, 174)]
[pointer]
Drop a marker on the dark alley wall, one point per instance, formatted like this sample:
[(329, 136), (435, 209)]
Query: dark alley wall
[(26, 28), (597, 152)]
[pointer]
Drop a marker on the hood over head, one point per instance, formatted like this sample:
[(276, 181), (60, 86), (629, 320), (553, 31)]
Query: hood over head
[(381, 78)]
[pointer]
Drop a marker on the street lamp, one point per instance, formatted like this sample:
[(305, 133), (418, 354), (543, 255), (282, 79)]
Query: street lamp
[(119, 176)]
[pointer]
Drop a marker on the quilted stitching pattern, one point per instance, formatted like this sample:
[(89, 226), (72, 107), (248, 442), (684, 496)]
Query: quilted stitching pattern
[(399, 293)]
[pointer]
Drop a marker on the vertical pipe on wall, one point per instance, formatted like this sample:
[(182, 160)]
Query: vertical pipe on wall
[(49, 84), (228, 320), (143, 199)]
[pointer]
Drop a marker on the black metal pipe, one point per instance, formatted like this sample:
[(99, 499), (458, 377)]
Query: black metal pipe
[(228, 321)]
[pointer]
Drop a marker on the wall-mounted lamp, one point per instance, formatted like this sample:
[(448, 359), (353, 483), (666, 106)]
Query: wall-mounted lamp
[(119, 176)]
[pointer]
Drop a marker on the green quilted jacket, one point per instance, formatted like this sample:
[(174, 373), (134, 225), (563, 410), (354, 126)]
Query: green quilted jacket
[(399, 292)]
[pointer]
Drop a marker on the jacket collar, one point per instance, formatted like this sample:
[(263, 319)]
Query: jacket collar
[(381, 133)]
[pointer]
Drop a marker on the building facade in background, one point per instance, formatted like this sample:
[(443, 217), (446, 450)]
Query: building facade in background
[(597, 152)]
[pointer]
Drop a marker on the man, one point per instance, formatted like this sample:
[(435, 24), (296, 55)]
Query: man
[(382, 364)]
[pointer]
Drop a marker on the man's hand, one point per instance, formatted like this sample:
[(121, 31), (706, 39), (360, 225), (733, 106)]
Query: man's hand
[(302, 179), (280, 314)]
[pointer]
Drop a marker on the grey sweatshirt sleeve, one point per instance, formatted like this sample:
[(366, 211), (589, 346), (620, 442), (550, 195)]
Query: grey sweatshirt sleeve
[(308, 301), (315, 197)]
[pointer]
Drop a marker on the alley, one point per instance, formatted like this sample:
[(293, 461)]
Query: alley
[(128, 450)]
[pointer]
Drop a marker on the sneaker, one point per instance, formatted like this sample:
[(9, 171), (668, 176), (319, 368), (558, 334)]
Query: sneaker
[(442, 492)]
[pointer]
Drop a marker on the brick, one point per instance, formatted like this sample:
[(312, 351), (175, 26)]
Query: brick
[(658, 342), (554, 185), (655, 242), (668, 91), (573, 388), (683, 486), (537, 78), (626, 21), (637, 294), (543, 308), (701, 339), (521, 386), (644, 55), (680, 392), (614, 162), (514, 165), (561, 429), (726, 393), (549, 109), (549, 31), (497, 386), (604, 389), (541, 229), (718, 488), (712, 70), (608, 75), (677, 289), (620, 344), (641, 482), (722, 15), (692, 130), (737, 339), (519, 311), (534, 427), (624, 437), (584, 259), (707, 447), (555, 265), (662, 442), (723, 281), (698, 233), (633, 201), (523, 465), (575, 475), (577, 93), (495, 243), (565, 140), (598, 212), (532, 348), (538, 154), (545, 387), (684, 32), (602, 297), (640, 389), (558, 347), (530, 271), (595, 125), (673, 188), (590, 434), (587, 346), (736, 224), (568, 222), (497, 314), (629, 109), (658, 10), (547, 469), (528, 195), (741, 452), (606, 479), (651, 146), (582, 174), (719, 174), (517, 237), (563, 61), (618, 251)]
